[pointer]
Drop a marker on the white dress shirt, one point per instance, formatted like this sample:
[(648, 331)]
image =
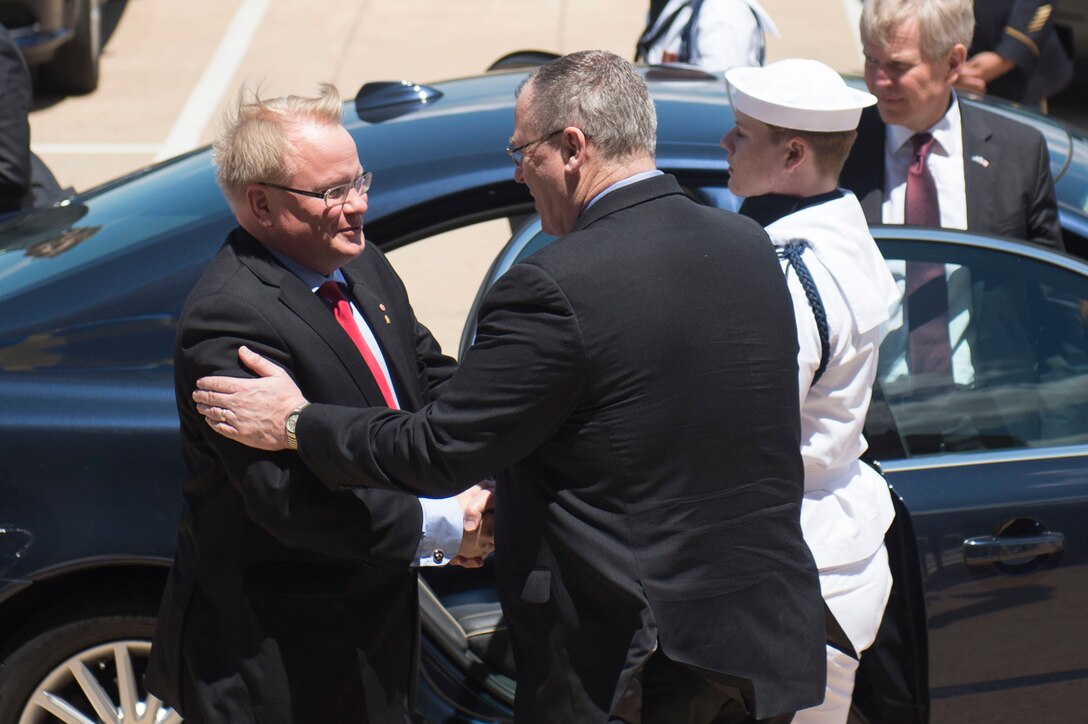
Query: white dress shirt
[(442, 518), (641, 176), (945, 164)]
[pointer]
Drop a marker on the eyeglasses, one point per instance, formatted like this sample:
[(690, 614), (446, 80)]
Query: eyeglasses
[(517, 153), (335, 196)]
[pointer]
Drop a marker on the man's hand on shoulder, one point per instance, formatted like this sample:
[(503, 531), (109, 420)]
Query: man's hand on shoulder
[(250, 411)]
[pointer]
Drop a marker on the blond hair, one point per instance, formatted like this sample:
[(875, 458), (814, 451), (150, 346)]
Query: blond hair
[(941, 23), (254, 144)]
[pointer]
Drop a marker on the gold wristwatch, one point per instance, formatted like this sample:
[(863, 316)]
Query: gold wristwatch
[(291, 423)]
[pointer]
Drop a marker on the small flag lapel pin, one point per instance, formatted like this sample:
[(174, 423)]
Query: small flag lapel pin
[(981, 161)]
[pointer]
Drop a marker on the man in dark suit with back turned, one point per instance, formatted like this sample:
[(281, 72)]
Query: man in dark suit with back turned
[(636, 380), (289, 601), (992, 174)]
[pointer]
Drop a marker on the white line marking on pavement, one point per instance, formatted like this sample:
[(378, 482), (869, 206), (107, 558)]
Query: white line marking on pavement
[(216, 79), (95, 149), (852, 8)]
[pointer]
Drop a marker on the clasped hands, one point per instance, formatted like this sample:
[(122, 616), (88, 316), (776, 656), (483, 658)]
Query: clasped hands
[(253, 412), (478, 510)]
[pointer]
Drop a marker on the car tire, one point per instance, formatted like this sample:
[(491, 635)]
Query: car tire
[(74, 68), (81, 664)]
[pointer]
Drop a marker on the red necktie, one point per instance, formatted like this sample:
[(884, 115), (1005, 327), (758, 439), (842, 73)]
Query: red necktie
[(341, 309), (926, 287)]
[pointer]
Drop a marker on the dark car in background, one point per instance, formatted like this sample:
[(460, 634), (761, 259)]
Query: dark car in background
[(990, 482), (63, 38)]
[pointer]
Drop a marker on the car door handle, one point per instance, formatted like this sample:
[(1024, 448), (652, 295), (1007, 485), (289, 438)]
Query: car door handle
[(986, 549)]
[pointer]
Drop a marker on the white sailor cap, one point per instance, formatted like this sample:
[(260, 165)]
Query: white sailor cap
[(804, 95)]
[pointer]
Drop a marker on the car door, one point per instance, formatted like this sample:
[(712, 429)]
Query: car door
[(993, 473), (993, 468)]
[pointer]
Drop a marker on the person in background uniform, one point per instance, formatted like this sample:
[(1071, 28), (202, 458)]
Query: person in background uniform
[(289, 601), (1016, 52), (634, 380), (712, 34), (795, 122)]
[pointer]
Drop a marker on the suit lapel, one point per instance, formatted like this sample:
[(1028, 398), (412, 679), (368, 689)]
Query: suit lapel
[(306, 305), (981, 161)]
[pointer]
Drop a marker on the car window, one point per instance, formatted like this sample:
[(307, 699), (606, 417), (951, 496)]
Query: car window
[(442, 273), (1019, 316), (1017, 350)]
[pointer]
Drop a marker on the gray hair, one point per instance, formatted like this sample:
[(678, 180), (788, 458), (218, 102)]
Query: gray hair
[(600, 93), (941, 23), (254, 144)]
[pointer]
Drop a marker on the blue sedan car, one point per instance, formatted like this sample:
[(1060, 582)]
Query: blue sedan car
[(990, 481)]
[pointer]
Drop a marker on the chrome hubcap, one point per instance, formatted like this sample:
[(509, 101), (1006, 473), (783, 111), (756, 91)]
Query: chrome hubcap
[(98, 685)]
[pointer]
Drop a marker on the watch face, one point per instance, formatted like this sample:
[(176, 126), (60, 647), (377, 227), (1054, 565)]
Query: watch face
[(292, 420)]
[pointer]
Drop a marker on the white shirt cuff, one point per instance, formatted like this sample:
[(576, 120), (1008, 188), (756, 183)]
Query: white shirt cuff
[(443, 525)]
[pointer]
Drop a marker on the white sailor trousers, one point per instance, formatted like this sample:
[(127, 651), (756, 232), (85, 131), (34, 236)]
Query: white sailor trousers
[(857, 594)]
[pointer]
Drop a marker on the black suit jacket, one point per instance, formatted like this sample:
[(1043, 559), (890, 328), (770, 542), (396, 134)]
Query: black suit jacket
[(289, 601), (1006, 166), (636, 380)]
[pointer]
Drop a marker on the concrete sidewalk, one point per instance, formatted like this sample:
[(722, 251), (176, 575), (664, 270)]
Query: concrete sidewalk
[(169, 67)]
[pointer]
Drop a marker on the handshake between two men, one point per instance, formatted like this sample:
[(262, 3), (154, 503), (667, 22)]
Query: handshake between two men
[(256, 413), (478, 536)]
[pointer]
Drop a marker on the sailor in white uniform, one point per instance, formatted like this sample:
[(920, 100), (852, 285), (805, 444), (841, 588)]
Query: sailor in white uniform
[(795, 122), (712, 34)]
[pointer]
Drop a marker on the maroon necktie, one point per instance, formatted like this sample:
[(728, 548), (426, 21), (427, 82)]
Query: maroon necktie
[(928, 345), (341, 309)]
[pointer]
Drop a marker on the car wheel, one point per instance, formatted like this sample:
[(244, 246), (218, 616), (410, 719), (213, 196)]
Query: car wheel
[(74, 68), (89, 670)]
